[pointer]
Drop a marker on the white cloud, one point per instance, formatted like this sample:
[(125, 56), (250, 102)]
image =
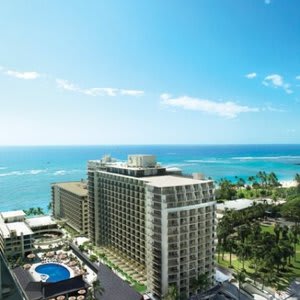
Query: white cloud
[(97, 91), (277, 81), (274, 79), (66, 85), (132, 92), (101, 92), (22, 75), (224, 109), (273, 109), (298, 77), (288, 91), (165, 96), (251, 75)]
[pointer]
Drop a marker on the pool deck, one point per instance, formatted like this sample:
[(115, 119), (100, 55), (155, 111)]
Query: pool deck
[(43, 277), (45, 290)]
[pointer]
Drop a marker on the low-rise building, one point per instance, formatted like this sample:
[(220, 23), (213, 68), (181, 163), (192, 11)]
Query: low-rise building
[(16, 237), (42, 224), (70, 203)]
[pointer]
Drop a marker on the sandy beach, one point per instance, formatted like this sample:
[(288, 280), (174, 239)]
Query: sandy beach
[(288, 183)]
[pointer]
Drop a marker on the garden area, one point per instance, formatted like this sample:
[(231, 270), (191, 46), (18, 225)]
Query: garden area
[(265, 249)]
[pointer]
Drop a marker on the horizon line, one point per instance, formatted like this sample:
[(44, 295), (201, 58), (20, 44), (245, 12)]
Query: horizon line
[(155, 144)]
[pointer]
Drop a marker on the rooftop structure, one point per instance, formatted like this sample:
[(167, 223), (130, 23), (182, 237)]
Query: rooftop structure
[(163, 222), (18, 229), (238, 204), (169, 180), (13, 216), (40, 222), (78, 188)]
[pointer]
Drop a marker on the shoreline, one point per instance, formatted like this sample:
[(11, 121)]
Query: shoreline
[(288, 183)]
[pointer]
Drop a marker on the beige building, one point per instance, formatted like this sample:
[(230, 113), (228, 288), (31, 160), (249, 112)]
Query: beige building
[(16, 237), (70, 203), (163, 221)]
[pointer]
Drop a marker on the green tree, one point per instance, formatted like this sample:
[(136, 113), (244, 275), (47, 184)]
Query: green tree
[(201, 283), (297, 179), (49, 207), (240, 277), (277, 231), (291, 209), (262, 176), (240, 182), (243, 232), (226, 189), (97, 288), (294, 238), (244, 251), (39, 211), (230, 246), (172, 293)]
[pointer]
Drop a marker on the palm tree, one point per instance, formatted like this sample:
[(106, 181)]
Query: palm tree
[(297, 179), (273, 180), (30, 211), (291, 209), (226, 189), (243, 232), (230, 245), (240, 183), (203, 282), (251, 179), (270, 276), (90, 295), (172, 293), (262, 176), (277, 231), (97, 288), (50, 204), (244, 252), (240, 277), (294, 238), (39, 211)]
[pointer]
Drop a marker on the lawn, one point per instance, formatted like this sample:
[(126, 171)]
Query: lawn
[(140, 288), (267, 228)]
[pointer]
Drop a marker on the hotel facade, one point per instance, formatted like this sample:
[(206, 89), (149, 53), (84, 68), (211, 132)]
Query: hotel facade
[(161, 220), (70, 203)]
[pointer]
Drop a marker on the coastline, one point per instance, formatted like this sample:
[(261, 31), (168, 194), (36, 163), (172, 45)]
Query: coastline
[(288, 183)]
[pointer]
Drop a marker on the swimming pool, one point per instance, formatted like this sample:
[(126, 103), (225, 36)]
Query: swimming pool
[(54, 272)]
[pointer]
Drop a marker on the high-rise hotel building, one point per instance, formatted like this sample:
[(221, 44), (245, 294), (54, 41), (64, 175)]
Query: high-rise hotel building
[(156, 217)]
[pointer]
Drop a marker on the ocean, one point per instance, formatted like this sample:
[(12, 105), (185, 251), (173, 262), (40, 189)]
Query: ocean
[(27, 172)]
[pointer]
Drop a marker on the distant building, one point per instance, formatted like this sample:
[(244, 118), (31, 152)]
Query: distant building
[(162, 221), (242, 204), (70, 203), (238, 204), (16, 237)]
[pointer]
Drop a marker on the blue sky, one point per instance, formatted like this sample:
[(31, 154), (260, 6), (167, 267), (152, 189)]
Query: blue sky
[(149, 72)]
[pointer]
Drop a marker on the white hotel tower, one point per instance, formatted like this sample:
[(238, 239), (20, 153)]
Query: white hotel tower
[(156, 217)]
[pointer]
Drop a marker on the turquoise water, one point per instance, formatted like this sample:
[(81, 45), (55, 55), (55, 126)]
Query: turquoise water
[(54, 271), (26, 172)]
